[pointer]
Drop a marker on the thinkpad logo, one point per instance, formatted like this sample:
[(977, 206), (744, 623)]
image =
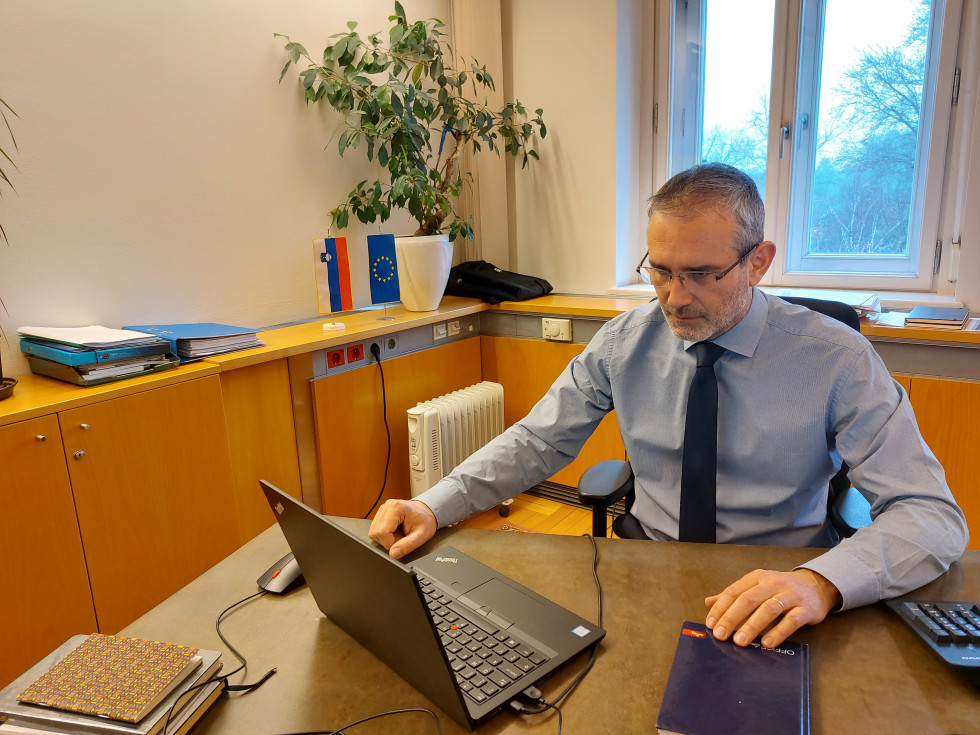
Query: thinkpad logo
[(447, 559)]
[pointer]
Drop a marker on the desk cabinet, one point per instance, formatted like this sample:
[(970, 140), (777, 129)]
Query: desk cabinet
[(153, 491), (349, 412), (527, 368), (43, 578), (258, 416), (947, 412)]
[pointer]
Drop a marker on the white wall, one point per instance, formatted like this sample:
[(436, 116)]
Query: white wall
[(564, 60), (164, 174)]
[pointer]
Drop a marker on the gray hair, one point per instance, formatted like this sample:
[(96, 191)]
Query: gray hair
[(719, 187)]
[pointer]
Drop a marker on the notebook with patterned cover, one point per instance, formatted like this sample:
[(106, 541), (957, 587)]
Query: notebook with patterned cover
[(112, 676)]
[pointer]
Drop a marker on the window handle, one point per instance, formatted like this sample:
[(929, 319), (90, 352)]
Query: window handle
[(801, 124), (786, 128)]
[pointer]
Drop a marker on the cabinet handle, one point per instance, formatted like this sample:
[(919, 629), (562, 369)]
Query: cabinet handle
[(85, 427), (79, 454), (41, 437)]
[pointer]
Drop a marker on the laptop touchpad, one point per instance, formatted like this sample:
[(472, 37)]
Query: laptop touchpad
[(502, 598)]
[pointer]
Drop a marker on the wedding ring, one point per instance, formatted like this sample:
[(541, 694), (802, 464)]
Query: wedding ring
[(782, 607)]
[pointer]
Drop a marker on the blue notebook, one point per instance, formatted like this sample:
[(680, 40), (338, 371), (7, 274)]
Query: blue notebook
[(717, 687)]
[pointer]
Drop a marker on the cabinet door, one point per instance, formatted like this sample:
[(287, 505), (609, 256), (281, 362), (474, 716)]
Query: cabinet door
[(46, 597), (262, 439), (350, 428), (527, 368), (153, 491), (947, 413)]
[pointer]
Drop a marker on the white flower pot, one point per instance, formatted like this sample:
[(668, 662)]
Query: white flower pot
[(423, 270)]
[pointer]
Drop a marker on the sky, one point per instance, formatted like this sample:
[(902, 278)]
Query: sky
[(738, 44)]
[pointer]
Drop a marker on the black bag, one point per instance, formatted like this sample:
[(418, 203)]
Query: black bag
[(482, 280)]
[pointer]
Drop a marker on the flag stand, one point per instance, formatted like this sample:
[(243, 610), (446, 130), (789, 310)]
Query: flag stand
[(386, 318)]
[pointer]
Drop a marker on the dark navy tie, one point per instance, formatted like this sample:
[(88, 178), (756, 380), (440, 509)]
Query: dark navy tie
[(700, 459)]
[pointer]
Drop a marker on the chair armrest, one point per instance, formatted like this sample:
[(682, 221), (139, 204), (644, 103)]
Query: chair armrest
[(605, 483)]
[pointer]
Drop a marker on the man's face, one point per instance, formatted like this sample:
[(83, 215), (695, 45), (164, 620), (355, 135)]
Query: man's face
[(706, 242)]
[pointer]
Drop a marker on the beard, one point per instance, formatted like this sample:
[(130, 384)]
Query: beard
[(694, 323)]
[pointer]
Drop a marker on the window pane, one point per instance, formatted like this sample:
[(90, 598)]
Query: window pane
[(872, 66), (737, 75)]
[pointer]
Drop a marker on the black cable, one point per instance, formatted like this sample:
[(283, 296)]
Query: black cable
[(376, 351), (373, 717), (544, 706), (245, 688)]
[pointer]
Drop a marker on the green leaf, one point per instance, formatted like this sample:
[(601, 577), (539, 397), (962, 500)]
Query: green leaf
[(295, 51), (352, 24), (284, 70), (309, 77), (338, 49), (400, 11), (417, 73), (343, 142)]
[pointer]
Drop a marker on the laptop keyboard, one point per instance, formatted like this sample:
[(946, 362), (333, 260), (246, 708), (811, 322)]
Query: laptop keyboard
[(485, 658)]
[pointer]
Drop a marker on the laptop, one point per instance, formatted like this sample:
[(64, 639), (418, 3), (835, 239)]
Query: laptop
[(464, 635)]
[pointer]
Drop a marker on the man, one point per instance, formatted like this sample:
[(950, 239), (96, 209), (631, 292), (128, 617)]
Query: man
[(797, 392)]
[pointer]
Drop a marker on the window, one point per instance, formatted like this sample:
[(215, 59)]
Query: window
[(834, 113)]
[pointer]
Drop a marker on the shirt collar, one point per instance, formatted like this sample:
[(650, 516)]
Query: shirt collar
[(744, 337)]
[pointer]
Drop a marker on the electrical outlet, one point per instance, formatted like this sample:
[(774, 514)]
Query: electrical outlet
[(557, 330), (389, 344), (355, 353), (335, 358), (454, 327), (439, 331)]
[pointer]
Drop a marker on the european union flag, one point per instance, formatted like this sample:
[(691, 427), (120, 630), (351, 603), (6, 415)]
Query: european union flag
[(383, 272)]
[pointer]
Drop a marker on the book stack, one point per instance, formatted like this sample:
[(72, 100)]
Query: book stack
[(194, 341), (111, 685), (937, 317), (717, 687), (93, 355)]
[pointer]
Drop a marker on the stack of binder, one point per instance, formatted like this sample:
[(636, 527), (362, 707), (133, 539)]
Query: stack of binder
[(195, 341), (111, 685), (94, 355)]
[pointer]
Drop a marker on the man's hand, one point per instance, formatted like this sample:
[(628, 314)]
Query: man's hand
[(801, 597), (402, 526)]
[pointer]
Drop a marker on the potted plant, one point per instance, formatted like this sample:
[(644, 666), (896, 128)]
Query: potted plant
[(408, 104), (6, 384)]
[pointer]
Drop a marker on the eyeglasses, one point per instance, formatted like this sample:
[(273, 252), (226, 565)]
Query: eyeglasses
[(701, 279)]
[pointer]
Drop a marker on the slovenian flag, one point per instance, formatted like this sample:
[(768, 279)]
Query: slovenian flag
[(332, 275), (382, 271)]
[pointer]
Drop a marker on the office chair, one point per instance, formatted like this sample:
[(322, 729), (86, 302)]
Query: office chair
[(608, 482)]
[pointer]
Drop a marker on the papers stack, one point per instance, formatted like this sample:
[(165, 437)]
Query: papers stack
[(938, 317), (93, 355), (93, 337), (194, 341), (112, 685)]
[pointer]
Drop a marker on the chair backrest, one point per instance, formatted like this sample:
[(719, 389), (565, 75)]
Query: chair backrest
[(834, 309)]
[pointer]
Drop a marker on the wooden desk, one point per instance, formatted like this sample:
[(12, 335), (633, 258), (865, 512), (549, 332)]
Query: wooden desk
[(870, 674)]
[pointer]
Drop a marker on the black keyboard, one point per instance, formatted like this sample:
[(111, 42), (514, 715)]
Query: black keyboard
[(485, 658), (950, 628)]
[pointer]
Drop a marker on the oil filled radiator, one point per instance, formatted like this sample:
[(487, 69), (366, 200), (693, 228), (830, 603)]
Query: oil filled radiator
[(444, 431)]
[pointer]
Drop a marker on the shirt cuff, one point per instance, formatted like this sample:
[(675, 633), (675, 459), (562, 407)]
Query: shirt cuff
[(445, 500), (858, 585)]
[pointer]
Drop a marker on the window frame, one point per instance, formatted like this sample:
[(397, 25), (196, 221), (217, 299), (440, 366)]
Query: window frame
[(669, 155)]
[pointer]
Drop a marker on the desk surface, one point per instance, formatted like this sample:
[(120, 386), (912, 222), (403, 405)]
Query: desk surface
[(870, 674)]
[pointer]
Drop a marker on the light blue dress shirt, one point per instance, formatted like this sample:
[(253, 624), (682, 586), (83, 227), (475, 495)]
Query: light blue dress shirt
[(797, 392)]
